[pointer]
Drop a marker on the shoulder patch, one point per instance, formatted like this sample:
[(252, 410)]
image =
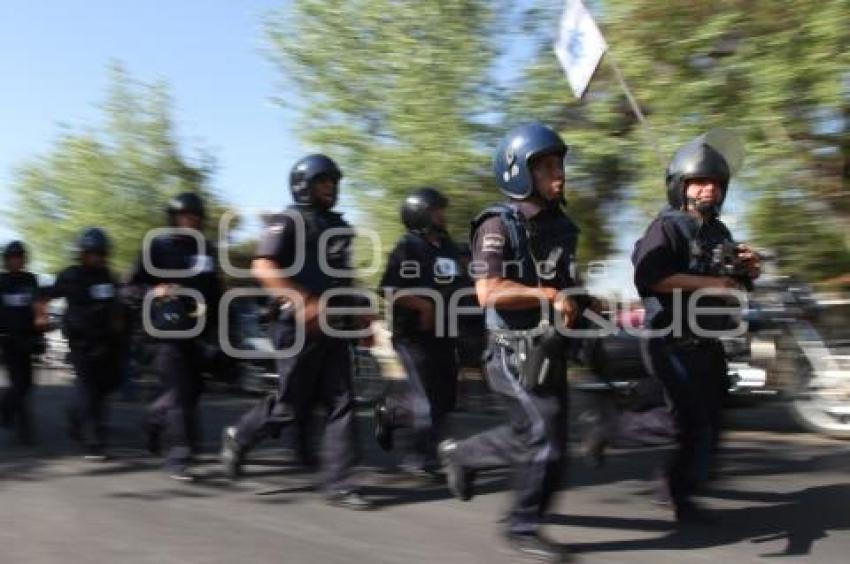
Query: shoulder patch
[(492, 243)]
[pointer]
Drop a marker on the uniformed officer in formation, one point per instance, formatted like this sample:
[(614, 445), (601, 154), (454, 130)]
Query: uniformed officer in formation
[(523, 253), (182, 261), (422, 274), (22, 319), (321, 368), (676, 257), (94, 324)]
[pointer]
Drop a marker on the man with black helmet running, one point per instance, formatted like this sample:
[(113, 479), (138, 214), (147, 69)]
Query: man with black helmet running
[(523, 258), (422, 274), (303, 255), (95, 327), (22, 318), (178, 274), (678, 265)]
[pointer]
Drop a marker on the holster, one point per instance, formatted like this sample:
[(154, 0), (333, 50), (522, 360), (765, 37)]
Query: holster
[(537, 354)]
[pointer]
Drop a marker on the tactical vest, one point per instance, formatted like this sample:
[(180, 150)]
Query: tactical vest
[(541, 253), (440, 270), (702, 239), (94, 313), (17, 294), (337, 249)]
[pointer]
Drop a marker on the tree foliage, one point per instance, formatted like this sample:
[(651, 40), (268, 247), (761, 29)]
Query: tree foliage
[(414, 93), (396, 91), (778, 73), (117, 176)]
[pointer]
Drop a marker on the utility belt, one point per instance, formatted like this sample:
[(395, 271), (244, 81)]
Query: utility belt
[(24, 343), (537, 354), (691, 342), (284, 311)]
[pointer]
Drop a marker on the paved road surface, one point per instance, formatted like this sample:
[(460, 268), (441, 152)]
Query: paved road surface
[(783, 493)]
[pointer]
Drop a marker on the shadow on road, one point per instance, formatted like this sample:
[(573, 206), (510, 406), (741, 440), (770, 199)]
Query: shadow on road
[(801, 518)]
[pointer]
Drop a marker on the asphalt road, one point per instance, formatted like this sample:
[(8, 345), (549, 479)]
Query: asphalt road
[(781, 492)]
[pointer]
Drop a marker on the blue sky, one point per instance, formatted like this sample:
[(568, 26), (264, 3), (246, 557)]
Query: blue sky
[(53, 60)]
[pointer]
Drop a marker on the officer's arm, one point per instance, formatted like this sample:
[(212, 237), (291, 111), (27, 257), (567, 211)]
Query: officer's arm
[(394, 279), (693, 282), (267, 272), (41, 320), (140, 281), (507, 294), (659, 260)]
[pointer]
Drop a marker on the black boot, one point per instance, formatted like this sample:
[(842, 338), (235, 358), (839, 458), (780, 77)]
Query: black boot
[(350, 500), (232, 455), (459, 480), (535, 546), (383, 426)]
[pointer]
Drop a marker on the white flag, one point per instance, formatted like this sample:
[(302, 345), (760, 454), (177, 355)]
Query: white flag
[(579, 46)]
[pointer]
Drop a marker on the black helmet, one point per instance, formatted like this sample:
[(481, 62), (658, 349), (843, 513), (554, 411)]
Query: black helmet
[(305, 171), (417, 207), (697, 159), (93, 240), (14, 249), (186, 202), (511, 164)]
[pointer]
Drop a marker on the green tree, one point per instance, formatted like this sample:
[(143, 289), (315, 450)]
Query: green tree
[(410, 94), (118, 176), (776, 72), (399, 93)]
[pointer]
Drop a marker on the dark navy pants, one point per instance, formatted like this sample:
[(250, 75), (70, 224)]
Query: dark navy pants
[(427, 396), (97, 374), (319, 374), (179, 364), (533, 442), (14, 405), (695, 382)]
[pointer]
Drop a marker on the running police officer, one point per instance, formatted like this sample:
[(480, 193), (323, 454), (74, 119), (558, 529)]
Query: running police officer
[(314, 243), (523, 252), (185, 285), (22, 319), (94, 325), (677, 260), (422, 273)]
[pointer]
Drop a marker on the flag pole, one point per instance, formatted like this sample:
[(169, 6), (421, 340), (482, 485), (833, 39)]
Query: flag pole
[(653, 138)]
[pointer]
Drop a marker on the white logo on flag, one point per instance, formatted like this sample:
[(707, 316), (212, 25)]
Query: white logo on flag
[(579, 46)]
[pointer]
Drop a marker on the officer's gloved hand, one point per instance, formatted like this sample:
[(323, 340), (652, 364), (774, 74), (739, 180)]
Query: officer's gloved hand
[(568, 308), (750, 260), (163, 290), (426, 318), (367, 342), (308, 315)]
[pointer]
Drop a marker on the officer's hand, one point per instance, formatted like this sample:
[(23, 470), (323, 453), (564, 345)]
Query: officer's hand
[(750, 259), (596, 305), (42, 323), (163, 290), (568, 308), (724, 283), (368, 341), (308, 315), (426, 318)]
